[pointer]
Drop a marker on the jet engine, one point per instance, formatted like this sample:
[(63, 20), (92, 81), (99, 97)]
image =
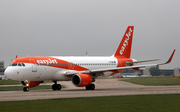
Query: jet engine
[(81, 80)]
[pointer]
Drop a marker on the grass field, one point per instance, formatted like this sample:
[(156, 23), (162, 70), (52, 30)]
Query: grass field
[(9, 82), (155, 81), (15, 88), (135, 103), (12, 82)]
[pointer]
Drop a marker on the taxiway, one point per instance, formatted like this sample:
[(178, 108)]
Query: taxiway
[(104, 87)]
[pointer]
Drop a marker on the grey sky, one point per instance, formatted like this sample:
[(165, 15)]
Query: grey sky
[(72, 27)]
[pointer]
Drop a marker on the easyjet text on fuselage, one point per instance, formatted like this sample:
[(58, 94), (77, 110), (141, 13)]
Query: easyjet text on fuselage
[(49, 61)]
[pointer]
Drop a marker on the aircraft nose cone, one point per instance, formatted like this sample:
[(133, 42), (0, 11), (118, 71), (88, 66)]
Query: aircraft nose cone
[(8, 73)]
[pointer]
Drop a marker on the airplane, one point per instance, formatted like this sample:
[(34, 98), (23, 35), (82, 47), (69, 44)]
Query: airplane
[(81, 70)]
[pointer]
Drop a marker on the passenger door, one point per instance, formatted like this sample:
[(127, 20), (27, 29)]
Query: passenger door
[(34, 65)]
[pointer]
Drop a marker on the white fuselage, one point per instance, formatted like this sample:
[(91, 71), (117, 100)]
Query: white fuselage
[(42, 70)]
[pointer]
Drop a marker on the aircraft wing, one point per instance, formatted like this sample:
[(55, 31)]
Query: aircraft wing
[(72, 72), (129, 63)]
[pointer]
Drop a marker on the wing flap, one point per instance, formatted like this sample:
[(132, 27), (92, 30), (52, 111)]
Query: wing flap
[(129, 63)]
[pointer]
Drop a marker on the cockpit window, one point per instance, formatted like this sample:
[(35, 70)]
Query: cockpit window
[(17, 64), (14, 64)]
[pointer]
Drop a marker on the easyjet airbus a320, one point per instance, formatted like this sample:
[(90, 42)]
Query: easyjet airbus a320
[(81, 70)]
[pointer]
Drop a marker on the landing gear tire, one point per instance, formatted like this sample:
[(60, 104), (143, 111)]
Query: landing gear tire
[(56, 87), (25, 89), (90, 87)]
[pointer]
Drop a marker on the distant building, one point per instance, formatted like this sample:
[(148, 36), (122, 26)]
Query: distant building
[(1, 64), (130, 72), (145, 72), (167, 72), (2, 69), (163, 72), (177, 72)]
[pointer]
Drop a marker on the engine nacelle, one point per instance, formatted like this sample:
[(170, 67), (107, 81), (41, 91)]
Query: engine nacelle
[(81, 80), (30, 84)]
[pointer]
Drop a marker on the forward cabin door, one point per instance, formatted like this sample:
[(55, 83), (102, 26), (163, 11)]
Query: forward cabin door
[(34, 65)]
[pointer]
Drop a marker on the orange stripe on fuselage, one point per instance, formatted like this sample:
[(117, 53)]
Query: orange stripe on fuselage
[(50, 61)]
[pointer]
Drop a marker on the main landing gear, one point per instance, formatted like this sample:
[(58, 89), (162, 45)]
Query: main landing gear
[(90, 87), (56, 86)]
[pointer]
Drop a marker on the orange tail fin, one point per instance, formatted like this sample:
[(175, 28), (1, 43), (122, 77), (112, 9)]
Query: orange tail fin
[(124, 49)]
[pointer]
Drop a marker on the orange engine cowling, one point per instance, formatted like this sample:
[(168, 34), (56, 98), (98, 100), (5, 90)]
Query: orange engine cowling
[(81, 80), (30, 84)]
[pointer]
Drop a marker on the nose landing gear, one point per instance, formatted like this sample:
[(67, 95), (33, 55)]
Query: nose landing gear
[(25, 83), (25, 89)]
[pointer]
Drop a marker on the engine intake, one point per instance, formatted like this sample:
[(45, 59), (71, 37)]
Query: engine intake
[(81, 80)]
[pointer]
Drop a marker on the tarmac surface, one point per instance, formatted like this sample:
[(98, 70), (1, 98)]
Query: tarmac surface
[(104, 87)]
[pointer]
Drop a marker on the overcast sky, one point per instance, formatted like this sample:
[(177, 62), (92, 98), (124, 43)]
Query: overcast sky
[(72, 27)]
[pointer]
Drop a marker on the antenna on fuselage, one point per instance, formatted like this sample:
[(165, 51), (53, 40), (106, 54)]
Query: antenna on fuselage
[(86, 53)]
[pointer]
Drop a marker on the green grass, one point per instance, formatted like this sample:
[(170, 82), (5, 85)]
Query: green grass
[(9, 82), (12, 82), (155, 81), (13, 88), (134, 103)]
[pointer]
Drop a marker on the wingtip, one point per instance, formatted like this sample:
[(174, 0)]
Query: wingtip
[(171, 56), (170, 59)]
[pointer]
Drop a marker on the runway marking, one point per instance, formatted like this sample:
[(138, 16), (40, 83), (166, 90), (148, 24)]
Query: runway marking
[(106, 84), (8, 92)]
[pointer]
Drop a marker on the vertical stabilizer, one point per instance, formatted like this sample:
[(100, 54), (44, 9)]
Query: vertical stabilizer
[(124, 48)]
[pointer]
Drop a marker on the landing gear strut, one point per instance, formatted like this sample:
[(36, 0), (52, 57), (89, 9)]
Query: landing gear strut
[(56, 86), (90, 87)]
